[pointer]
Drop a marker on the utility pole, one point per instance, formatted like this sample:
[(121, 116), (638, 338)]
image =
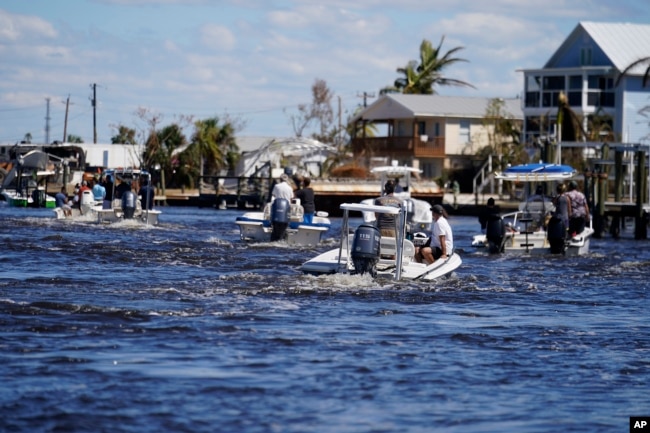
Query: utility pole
[(94, 104), (365, 97), (47, 121), (338, 139), (65, 122)]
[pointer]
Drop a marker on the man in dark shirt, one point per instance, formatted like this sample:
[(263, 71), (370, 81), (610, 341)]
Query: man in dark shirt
[(108, 198), (306, 196), (146, 194)]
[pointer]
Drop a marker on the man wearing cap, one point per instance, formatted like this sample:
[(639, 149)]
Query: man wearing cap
[(442, 239), (282, 189)]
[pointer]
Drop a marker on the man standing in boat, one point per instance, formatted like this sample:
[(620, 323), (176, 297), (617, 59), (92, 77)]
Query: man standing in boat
[(386, 222), (283, 189), (579, 209)]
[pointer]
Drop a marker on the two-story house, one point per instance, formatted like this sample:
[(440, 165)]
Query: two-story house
[(585, 68), (432, 132)]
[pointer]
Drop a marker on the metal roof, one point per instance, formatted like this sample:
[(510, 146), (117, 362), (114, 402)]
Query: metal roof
[(398, 105), (622, 43)]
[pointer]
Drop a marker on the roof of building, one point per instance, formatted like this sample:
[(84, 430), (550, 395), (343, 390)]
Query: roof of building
[(398, 105), (622, 43)]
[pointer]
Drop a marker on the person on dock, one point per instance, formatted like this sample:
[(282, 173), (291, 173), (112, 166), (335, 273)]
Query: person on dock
[(579, 214), (491, 209), (282, 189), (441, 241), (307, 200), (61, 201), (386, 222)]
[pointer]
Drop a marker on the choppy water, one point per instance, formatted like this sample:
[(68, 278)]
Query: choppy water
[(182, 328)]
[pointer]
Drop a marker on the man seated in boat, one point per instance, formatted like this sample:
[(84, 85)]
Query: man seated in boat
[(441, 241)]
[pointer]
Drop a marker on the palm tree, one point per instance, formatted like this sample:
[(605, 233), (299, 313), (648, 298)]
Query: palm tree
[(641, 61), (215, 144), (422, 78)]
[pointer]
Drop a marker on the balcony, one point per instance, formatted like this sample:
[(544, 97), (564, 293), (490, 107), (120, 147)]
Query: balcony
[(400, 147)]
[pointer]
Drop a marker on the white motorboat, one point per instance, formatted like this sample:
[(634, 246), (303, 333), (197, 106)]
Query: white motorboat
[(418, 216), (126, 207), (532, 228), (25, 185), (366, 251), (283, 220)]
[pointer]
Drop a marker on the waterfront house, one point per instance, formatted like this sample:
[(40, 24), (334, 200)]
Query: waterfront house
[(435, 133), (585, 68)]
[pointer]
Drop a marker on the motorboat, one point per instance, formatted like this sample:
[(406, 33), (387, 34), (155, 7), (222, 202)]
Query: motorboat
[(365, 251), (124, 206), (533, 228), (282, 219), (25, 185), (419, 216)]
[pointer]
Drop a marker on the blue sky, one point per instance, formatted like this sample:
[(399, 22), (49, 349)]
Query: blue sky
[(255, 60)]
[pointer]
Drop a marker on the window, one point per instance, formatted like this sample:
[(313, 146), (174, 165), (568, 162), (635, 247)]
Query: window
[(463, 131), (422, 128), (585, 56)]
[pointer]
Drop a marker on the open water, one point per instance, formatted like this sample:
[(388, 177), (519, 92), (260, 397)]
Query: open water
[(183, 328)]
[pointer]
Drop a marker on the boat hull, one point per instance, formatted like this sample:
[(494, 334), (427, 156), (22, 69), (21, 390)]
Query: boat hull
[(253, 227)]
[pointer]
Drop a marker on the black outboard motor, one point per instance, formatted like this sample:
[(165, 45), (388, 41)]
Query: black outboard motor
[(495, 234), (128, 204), (556, 235), (280, 209), (365, 249)]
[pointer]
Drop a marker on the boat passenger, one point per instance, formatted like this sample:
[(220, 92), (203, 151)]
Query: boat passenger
[(61, 201), (441, 239), (123, 187), (283, 189), (579, 214), (306, 196), (108, 198), (562, 205), (386, 222), (490, 210), (99, 192), (147, 194)]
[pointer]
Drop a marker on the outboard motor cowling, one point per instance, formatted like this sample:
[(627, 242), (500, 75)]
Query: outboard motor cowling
[(495, 233), (556, 235), (280, 214), (365, 249), (129, 200)]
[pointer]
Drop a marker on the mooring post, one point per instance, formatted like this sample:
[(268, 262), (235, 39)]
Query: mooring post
[(640, 229)]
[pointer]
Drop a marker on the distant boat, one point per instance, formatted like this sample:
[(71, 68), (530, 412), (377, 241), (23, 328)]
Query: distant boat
[(25, 185), (532, 229)]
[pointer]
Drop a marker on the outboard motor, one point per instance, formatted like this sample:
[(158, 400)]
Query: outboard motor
[(128, 204), (87, 201), (495, 233), (280, 213), (556, 235), (365, 249)]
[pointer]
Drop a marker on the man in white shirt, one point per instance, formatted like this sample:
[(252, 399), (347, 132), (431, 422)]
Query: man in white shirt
[(282, 189), (442, 239)]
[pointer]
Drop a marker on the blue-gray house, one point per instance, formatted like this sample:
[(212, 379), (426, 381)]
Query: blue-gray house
[(585, 68)]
